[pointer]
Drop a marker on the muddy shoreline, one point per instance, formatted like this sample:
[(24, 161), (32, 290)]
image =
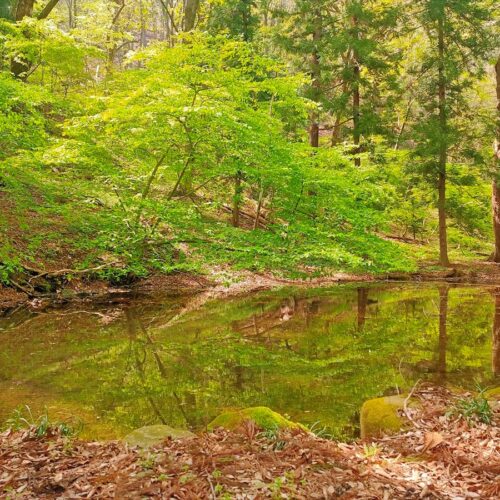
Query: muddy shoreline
[(228, 284)]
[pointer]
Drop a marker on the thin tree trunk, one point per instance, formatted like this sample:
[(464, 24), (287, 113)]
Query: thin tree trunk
[(443, 147), (69, 4), (237, 199), (143, 25), (337, 127), (496, 174), (49, 7), (316, 79), (120, 5), (356, 95), (147, 188), (190, 12), (259, 207), (403, 125)]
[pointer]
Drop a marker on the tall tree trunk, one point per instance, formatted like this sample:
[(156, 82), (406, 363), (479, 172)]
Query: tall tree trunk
[(356, 94), (496, 173), (24, 9), (443, 146), (443, 337), (495, 341), (237, 199), (190, 12), (316, 79)]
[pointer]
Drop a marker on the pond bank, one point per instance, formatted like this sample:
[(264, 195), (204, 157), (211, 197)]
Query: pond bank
[(227, 283), (442, 456)]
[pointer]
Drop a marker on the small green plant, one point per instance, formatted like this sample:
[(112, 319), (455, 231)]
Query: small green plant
[(473, 409), (370, 450), (22, 418), (216, 474), (273, 435), (320, 430), (148, 461), (276, 487), (186, 478)]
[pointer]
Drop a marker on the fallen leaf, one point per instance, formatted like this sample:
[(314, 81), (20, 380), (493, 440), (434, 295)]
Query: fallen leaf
[(431, 440)]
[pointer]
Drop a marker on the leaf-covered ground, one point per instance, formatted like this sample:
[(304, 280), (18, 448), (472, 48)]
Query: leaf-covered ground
[(441, 457)]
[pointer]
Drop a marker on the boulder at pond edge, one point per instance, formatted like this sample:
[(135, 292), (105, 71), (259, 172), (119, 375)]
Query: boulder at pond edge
[(263, 417), (381, 416)]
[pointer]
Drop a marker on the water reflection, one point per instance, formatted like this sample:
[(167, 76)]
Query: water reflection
[(443, 336), (313, 354), (495, 342)]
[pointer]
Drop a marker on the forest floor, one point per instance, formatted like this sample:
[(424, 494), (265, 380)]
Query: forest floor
[(441, 456)]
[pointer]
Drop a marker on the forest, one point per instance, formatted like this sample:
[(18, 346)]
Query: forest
[(296, 137), (212, 211)]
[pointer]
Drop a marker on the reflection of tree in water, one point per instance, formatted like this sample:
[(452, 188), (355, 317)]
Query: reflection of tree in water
[(443, 337), (362, 305), (495, 341), (142, 344)]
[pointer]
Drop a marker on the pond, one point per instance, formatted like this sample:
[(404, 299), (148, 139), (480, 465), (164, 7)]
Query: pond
[(312, 354)]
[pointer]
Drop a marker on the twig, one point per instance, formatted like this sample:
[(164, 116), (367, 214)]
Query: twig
[(405, 404), (61, 272), (214, 496), (29, 293)]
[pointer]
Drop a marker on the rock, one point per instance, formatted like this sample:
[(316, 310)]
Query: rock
[(153, 434), (263, 417), (380, 416), (493, 394), (493, 397)]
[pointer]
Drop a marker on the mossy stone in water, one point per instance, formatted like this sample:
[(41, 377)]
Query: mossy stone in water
[(153, 434), (380, 416), (263, 417)]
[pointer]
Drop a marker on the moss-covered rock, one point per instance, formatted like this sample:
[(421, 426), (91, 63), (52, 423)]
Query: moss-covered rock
[(263, 417), (493, 397), (381, 416), (493, 394), (153, 434)]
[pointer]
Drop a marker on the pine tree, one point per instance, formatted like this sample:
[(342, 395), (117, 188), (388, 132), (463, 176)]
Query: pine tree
[(458, 43)]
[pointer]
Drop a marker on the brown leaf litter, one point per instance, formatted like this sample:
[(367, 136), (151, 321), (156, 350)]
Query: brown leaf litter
[(444, 458)]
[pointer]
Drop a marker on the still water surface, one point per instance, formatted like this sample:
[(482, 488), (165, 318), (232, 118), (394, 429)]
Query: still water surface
[(312, 354)]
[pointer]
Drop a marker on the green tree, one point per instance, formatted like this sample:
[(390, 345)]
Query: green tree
[(458, 42), (238, 17), (347, 48)]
